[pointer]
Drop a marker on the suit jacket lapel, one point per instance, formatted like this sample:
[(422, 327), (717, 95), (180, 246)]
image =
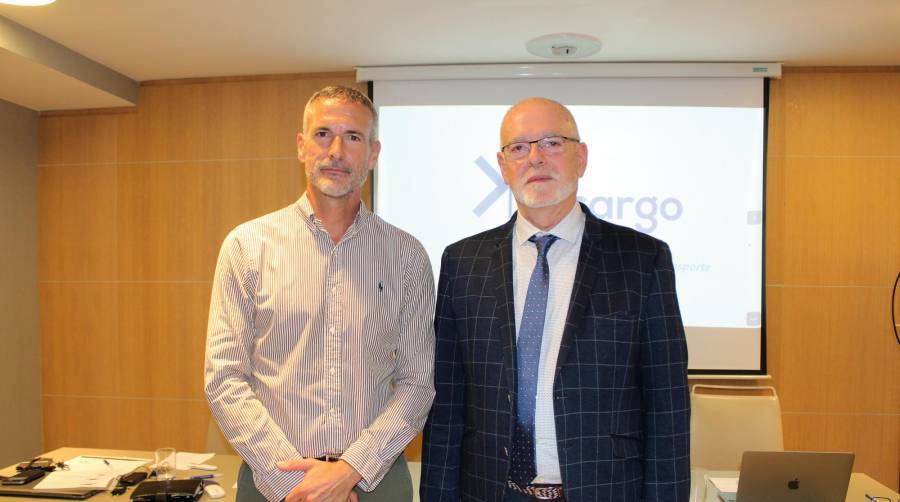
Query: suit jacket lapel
[(501, 285), (585, 277)]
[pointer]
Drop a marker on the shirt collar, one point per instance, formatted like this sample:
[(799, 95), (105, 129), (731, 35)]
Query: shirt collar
[(567, 229), (306, 210)]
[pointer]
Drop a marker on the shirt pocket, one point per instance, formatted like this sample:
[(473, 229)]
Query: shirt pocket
[(381, 323)]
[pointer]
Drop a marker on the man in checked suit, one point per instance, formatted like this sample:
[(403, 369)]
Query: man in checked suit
[(561, 362)]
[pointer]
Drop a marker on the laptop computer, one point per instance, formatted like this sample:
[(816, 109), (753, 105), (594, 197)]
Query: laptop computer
[(29, 490), (794, 476), (71, 493)]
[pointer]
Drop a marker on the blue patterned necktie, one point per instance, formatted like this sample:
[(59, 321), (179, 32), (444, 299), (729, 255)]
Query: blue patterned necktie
[(528, 356)]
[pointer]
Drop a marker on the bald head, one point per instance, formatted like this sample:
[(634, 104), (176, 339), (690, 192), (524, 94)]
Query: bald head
[(537, 114)]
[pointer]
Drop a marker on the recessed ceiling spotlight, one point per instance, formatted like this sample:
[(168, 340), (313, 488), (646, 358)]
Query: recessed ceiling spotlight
[(563, 46), (29, 3)]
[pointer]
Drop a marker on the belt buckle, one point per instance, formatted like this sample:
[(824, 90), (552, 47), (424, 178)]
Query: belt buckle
[(330, 457), (546, 492)]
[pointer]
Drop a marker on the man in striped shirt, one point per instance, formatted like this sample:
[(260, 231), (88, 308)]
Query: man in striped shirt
[(320, 340)]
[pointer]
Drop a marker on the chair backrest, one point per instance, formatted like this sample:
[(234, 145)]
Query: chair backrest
[(728, 420), (215, 440)]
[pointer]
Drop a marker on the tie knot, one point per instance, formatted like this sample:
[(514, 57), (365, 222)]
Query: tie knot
[(543, 243)]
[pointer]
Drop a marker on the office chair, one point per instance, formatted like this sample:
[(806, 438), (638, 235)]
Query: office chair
[(728, 420)]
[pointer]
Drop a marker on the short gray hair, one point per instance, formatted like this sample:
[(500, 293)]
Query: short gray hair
[(348, 95)]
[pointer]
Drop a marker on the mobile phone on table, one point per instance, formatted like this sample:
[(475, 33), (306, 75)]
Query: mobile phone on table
[(24, 477)]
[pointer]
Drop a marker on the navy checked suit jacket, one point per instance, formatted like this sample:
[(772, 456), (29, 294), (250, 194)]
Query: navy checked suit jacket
[(621, 402)]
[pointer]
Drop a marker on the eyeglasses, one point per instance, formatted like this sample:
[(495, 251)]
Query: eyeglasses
[(551, 145)]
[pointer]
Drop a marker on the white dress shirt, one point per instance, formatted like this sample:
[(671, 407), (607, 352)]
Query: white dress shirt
[(318, 348), (563, 260)]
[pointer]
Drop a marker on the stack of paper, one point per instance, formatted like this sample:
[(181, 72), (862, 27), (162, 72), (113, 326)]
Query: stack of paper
[(87, 471), (184, 460), (725, 484)]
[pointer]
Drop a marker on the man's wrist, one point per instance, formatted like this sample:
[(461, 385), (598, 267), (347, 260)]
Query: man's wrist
[(351, 474)]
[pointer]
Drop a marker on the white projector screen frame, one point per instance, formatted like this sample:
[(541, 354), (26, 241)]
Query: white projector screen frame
[(716, 348)]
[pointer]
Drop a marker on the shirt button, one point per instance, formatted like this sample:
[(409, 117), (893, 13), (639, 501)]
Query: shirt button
[(331, 371), (331, 411), (331, 330)]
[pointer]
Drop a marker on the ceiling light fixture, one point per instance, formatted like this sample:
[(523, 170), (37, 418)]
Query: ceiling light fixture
[(28, 3), (564, 46)]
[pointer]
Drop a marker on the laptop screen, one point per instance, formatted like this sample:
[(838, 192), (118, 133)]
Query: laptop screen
[(793, 476)]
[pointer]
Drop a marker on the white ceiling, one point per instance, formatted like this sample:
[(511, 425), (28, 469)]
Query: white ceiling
[(163, 39)]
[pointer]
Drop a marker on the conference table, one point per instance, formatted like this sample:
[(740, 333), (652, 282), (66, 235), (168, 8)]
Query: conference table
[(228, 465)]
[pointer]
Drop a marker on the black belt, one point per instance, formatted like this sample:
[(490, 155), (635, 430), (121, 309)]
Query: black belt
[(540, 492), (330, 458)]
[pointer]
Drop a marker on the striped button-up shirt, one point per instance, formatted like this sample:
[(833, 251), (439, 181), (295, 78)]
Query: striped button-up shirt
[(316, 348)]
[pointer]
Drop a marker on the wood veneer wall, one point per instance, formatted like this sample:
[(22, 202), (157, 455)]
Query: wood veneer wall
[(832, 251), (133, 207)]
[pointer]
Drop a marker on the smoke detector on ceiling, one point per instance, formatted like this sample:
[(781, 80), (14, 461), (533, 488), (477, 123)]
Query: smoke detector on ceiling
[(563, 46)]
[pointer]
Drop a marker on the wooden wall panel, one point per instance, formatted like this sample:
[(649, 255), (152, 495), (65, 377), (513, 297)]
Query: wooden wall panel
[(78, 139), (832, 355), (840, 114), (218, 120), (162, 336), (834, 221), (77, 214), (79, 339), (137, 424), (414, 450), (82, 422), (173, 216), (178, 423), (832, 251)]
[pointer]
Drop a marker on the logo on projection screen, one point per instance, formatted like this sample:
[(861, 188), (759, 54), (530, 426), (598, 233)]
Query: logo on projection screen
[(500, 187), (645, 209)]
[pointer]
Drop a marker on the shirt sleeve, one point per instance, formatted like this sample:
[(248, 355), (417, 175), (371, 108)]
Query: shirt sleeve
[(379, 444), (229, 379)]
